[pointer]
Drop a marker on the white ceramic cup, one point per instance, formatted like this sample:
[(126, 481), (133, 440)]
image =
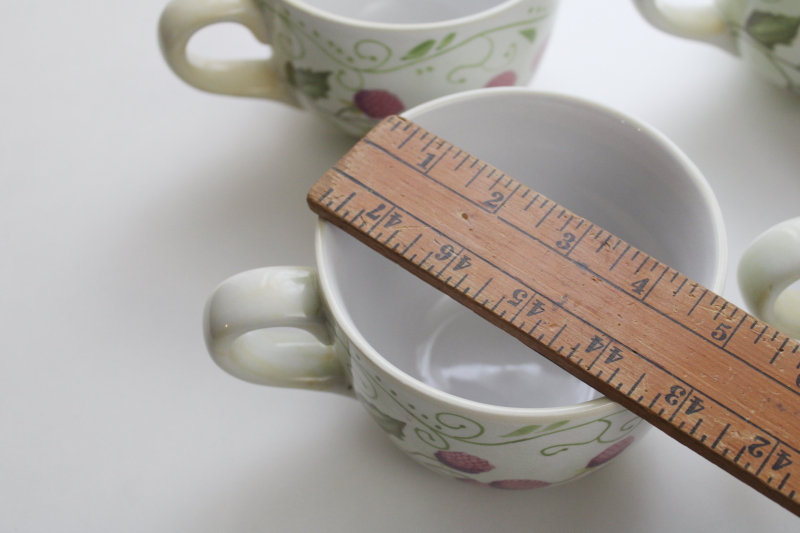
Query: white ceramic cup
[(356, 61), (767, 271), (454, 392), (764, 33)]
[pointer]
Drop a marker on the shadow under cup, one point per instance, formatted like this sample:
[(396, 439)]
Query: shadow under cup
[(619, 175)]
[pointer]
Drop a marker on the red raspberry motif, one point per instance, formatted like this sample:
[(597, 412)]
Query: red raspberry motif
[(518, 484), (504, 79), (610, 452), (464, 462), (377, 103)]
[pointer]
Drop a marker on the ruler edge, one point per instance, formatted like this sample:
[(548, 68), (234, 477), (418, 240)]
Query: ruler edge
[(748, 478)]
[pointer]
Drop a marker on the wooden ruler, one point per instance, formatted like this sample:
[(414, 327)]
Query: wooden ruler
[(692, 364)]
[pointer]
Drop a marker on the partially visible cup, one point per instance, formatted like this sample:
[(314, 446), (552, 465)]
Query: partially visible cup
[(454, 392), (356, 61), (767, 272), (762, 32)]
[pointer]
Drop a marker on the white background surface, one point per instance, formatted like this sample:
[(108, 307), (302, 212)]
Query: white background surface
[(127, 196)]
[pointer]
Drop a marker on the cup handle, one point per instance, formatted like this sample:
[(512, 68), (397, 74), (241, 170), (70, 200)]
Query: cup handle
[(247, 323), (769, 266), (701, 23), (258, 78)]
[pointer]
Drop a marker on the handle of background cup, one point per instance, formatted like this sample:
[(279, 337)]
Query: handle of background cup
[(258, 78), (701, 23), (769, 266), (246, 323)]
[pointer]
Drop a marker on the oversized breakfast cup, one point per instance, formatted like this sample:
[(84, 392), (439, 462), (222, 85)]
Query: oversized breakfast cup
[(453, 391), (356, 61), (764, 33), (768, 272)]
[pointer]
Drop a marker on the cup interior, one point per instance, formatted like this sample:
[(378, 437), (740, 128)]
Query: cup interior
[(403, 11), (613, 171)]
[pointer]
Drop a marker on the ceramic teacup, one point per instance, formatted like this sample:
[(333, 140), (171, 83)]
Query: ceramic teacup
[(356, 61), (762, 32), (454, 392), (767, 272)]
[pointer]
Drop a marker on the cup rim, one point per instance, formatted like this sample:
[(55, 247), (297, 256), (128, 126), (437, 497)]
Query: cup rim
[(594, 407), (400, 26)]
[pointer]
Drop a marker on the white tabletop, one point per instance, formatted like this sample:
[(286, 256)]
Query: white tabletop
[(127, 196)]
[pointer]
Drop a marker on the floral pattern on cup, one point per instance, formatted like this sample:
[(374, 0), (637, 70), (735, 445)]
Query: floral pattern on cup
[(468, 449), (764, 33), (769, 34), (371, 79)]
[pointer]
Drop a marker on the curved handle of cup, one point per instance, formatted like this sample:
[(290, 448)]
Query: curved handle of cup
[(258, 78), (701, 23), (769, 266), (253, 322)]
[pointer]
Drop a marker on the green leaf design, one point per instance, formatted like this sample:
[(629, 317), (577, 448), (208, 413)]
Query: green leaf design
[(523, 431), (420, 50), (529, 34), (447, 40), (312, 84), (770, 29), (556, 425)]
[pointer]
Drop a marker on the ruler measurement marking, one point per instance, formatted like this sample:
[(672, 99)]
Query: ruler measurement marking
[(533, 200), (407, 248), (705, 291), (732, 334), (697, 302), (680, 286), (761, 334), (653, 286), (546, 215), (325, 195), (580, 239), (625, 251), (678, 409), (408, 138), (564, 314), (429, 144), (633, 388), (721, 310), (462, 161), (436, 162), (719, 437), (545, 244), (476, 175)]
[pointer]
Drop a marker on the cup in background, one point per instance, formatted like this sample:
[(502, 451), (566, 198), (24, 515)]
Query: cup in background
[(455, 393), (354, 62), (764, 33), (767, 273)]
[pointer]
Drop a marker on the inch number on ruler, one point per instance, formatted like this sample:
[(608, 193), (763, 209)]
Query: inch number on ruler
[(705, 372)]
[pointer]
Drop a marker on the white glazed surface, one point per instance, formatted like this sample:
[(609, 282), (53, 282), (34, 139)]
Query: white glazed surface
[(127, 197), (452, 391), (353, 63), (767, 272)]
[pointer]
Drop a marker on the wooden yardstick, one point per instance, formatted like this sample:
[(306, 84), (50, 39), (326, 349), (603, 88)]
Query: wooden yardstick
[(692, 364)]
